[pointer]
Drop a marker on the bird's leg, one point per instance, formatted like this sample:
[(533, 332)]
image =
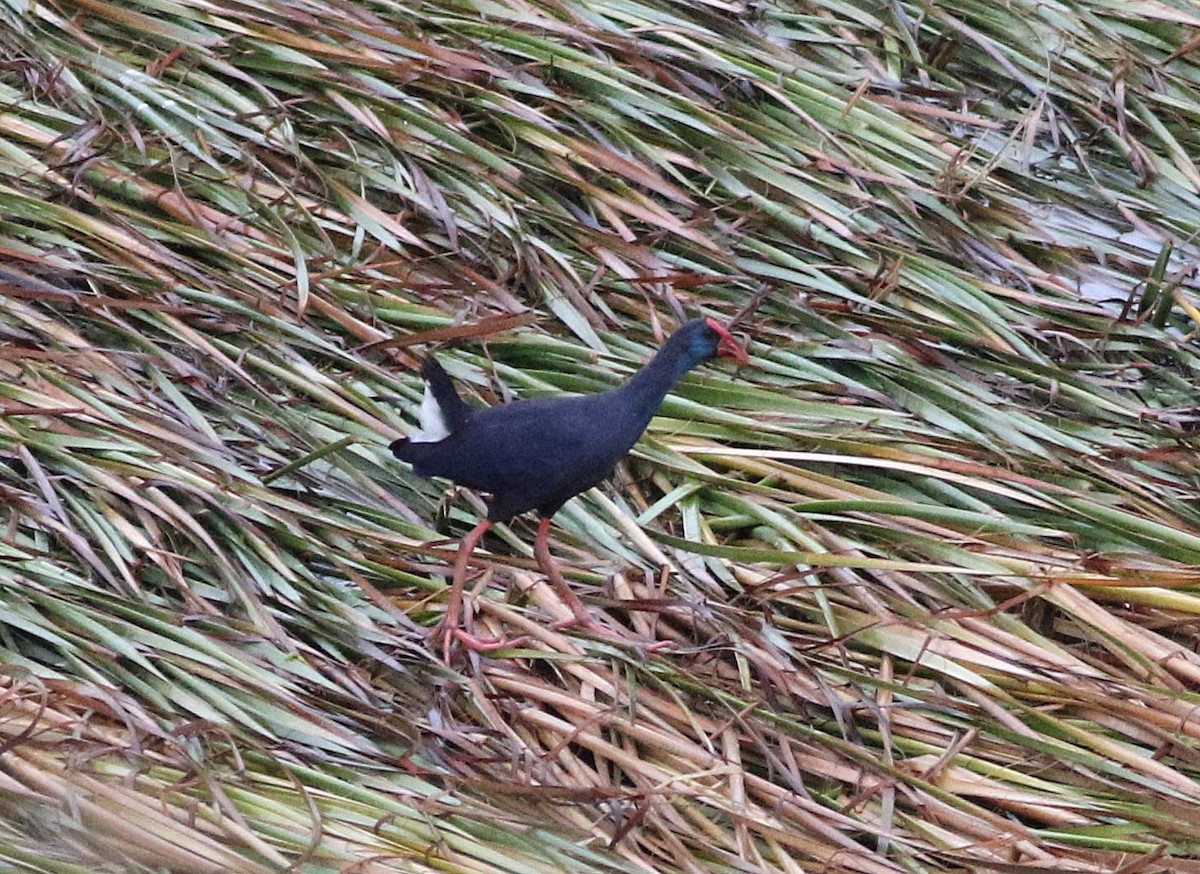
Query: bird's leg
[(579, 612), (450, 628), (451, 623), (580, 616)]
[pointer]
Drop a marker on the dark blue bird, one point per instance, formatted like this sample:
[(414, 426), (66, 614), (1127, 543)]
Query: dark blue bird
[(538, 454)]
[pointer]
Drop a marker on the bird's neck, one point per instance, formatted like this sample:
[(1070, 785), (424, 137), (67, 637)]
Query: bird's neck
[(645, 390)]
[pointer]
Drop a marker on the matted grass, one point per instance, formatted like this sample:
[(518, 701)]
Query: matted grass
[(930, 567)]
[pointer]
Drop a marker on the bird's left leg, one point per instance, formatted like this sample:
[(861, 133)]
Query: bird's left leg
[(580, 616)]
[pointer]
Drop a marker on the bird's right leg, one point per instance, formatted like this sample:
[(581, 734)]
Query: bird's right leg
[(450, 628)]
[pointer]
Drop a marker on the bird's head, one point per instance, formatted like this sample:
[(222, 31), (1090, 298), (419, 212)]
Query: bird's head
[(713, 340), (696, 342)]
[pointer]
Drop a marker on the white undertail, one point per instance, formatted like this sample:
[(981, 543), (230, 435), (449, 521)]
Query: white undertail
[(432, 420)]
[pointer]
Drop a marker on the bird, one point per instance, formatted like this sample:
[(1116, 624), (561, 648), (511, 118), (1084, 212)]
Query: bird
[(537, 454)]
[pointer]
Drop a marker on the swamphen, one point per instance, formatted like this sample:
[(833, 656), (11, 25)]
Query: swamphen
[(538, 454)]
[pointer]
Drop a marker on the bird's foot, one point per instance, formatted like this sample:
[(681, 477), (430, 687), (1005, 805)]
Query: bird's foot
[(603, 632), (587, 623), (445, 636)]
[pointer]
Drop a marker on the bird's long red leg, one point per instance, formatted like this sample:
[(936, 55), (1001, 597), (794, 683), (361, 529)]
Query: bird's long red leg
[(450, 628), (579, 613)]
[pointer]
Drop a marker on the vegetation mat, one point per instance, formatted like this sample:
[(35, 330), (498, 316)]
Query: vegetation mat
[(926, 575)]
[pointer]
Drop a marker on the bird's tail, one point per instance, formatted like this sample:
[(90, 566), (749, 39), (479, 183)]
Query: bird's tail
[(450, 405), (442, 412)]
